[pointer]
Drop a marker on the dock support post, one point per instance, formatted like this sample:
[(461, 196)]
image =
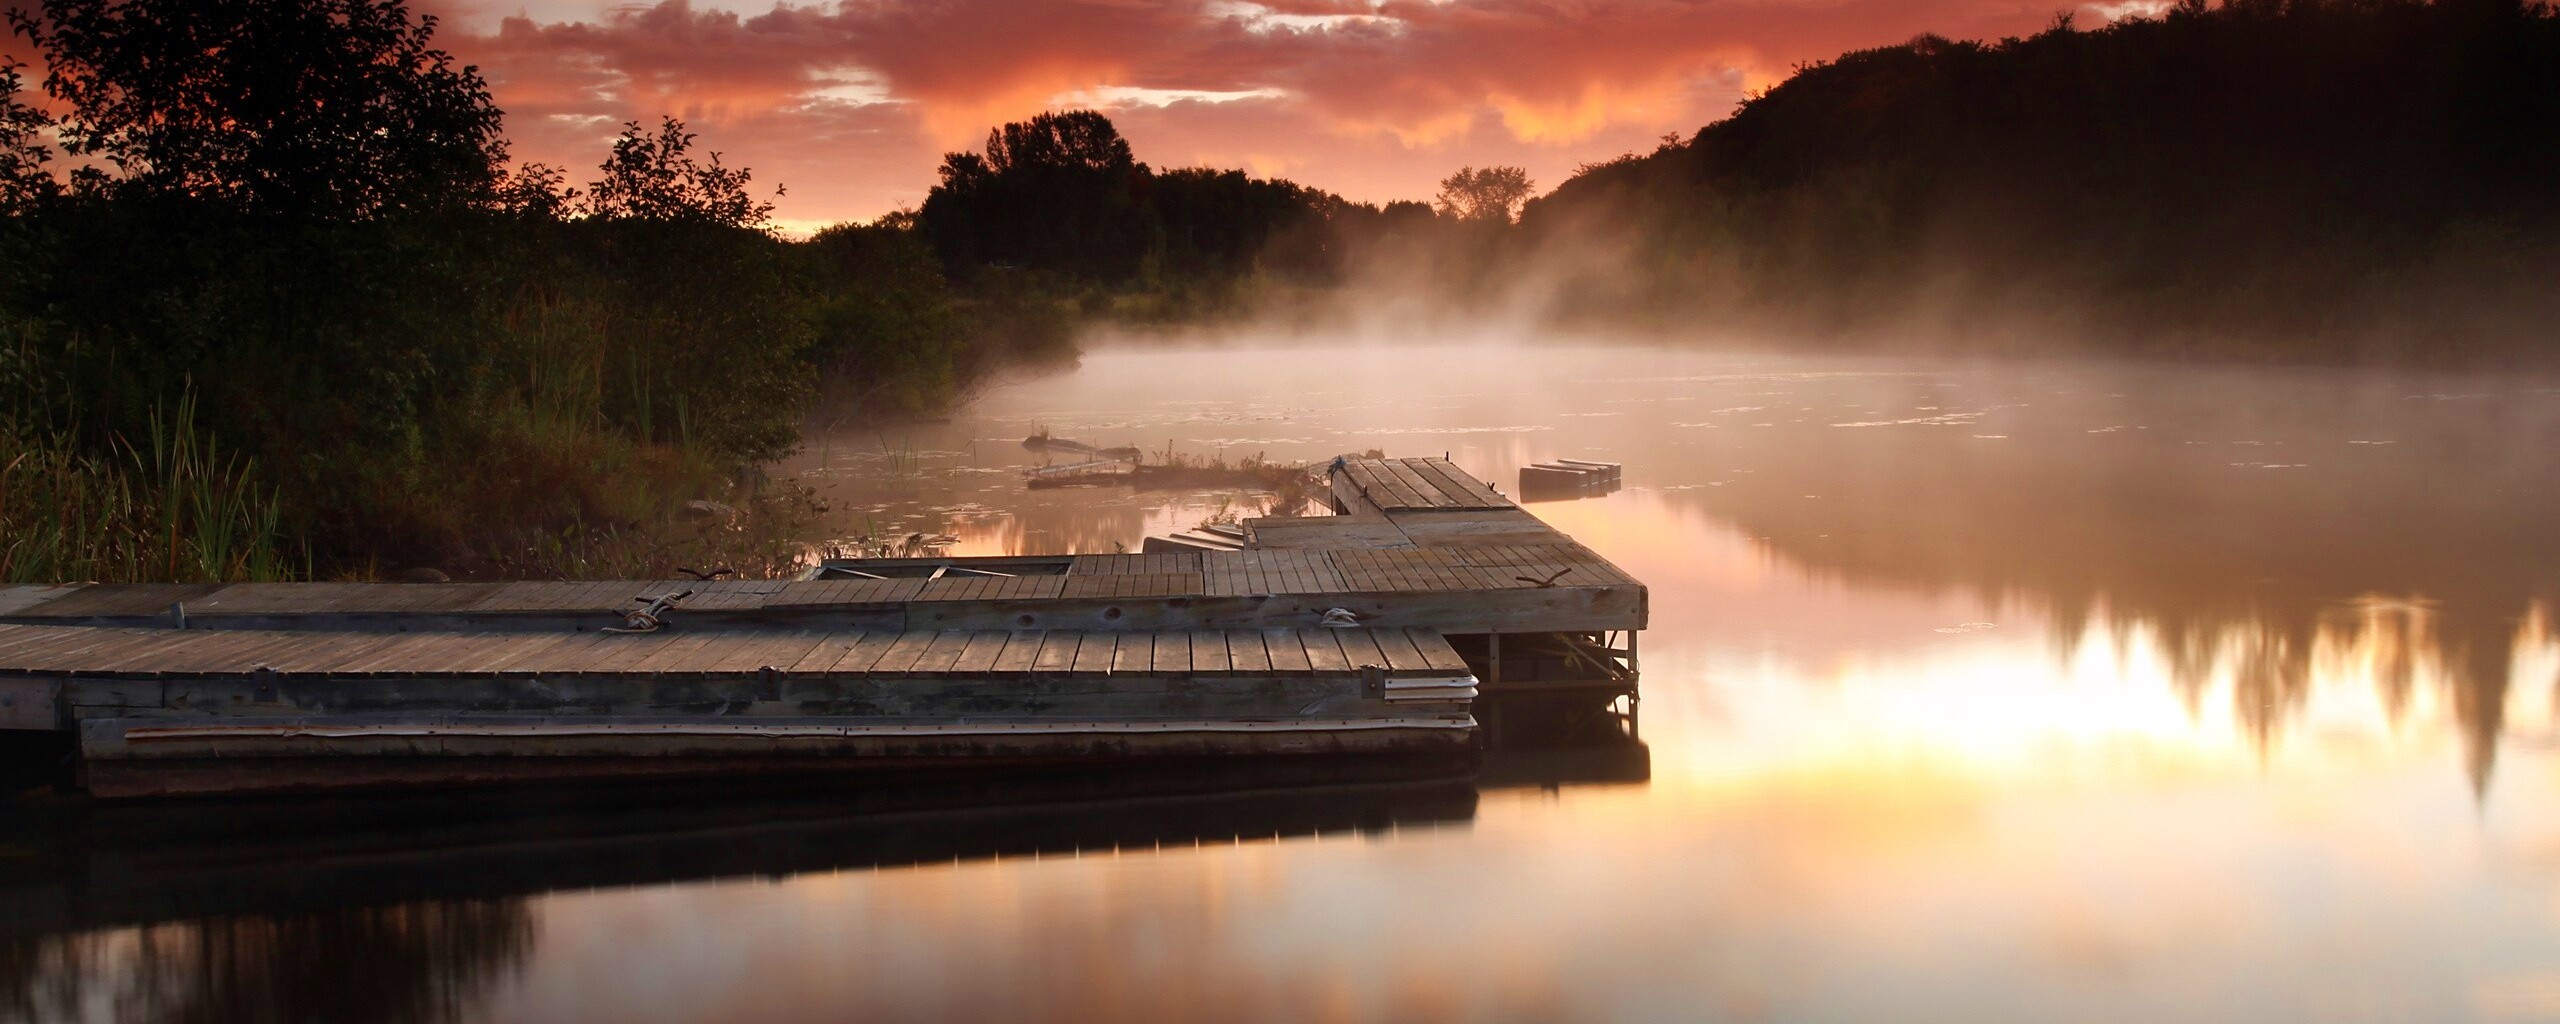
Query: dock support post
[(1635, 684)]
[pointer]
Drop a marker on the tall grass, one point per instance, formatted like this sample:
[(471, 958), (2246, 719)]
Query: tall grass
[(558, 460), (174, 508)]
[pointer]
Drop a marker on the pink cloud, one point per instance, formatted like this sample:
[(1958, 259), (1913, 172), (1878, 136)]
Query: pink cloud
[(852, 103)]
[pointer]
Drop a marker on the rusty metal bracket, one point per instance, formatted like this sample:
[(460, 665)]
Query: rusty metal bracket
[(651, 614)]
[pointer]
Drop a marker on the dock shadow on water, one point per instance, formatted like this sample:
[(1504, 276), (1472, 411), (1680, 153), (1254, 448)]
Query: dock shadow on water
[(416, 907)]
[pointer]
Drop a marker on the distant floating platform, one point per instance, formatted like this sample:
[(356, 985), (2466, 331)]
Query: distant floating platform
[(1565, 479)]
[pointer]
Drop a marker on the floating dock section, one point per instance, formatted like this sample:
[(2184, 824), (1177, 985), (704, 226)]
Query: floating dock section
[(1569, 478), (1381, 631)]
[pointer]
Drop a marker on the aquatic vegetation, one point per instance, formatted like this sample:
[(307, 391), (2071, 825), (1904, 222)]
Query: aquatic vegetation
[(173, 507)]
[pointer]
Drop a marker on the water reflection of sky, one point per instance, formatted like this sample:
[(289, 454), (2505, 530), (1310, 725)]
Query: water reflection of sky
[(1972, 693)]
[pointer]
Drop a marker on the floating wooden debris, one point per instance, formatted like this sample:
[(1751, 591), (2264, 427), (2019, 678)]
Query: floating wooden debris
[(1046, 443), (1370, 632), (1043, 441), (1090, 473)]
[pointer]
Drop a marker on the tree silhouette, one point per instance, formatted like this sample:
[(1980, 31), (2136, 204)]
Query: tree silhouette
[(2252, 178), (1059, 193), (1076, 140), (1491, 194), (22, 172), (336, 108), (655, 177)]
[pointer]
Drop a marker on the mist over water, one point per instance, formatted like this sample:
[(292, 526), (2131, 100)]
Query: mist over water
[(1973, 691)]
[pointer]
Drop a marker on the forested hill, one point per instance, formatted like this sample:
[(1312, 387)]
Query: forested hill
[(2261, 177)]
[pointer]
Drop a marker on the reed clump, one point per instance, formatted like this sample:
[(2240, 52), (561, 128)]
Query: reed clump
[(171, 507)]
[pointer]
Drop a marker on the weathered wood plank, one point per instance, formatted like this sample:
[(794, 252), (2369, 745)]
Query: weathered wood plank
[(93, 650), (904, 653), (1369, 530), (32, 646), (1174, 584), (1359, 649), (1021, 649), (980, 656), (1405, 495), (830, 649), (15, 638), (126, 600), (1057, 652), (1134, 652), (249, 652), (524, 648), (1398, 649), (621, 651), (1173, 653), (1324, 650), (785, 649), (866, 654), (1156, 564), (1370, 494), (15, 599), (1464, 482), (1389, 491), (838, 593), (1458, 494), (720, 647), (1436, 652), (1286, 649), (319, 657), (1245, 651), (943, 653), (1095, 655), (497, 652), (1424, 490), (1209, 652)]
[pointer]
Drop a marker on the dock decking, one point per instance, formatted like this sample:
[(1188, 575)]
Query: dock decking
[(164, 654), (1367, 631)]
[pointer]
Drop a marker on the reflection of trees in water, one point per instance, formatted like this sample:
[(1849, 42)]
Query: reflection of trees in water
[(2279, 532), (2273, 663), (419, 962)]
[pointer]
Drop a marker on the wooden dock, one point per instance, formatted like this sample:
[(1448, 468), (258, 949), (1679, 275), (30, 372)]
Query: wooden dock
[(1369, 632)]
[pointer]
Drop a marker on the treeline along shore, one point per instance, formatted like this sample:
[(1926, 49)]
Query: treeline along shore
[(276, 302), (2313, 180)]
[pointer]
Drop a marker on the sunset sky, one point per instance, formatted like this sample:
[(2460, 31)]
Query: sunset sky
[(850, 105)]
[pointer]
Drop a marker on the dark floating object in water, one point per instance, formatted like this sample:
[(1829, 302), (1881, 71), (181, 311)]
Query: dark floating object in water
[(1565, 479), (1045, 443), (1100, 467)]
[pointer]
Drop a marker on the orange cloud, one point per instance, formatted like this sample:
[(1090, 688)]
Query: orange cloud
[(853, 102)]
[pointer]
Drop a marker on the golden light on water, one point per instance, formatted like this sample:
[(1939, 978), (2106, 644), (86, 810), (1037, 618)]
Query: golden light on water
[(1970, 694)]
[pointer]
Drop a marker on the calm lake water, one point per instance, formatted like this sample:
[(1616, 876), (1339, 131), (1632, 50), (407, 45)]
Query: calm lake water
[(1974, 692)]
